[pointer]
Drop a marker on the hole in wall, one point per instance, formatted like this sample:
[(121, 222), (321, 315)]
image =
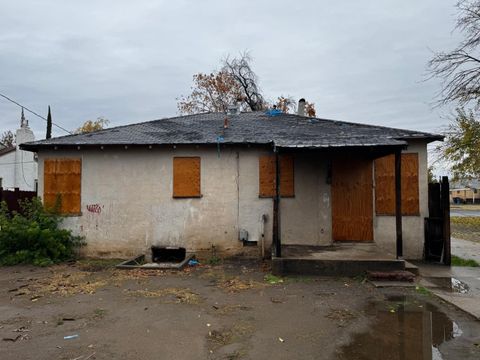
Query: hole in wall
[(168, 254)]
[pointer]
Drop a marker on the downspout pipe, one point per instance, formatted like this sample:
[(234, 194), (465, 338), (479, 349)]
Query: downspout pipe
[(277, 244), (398, 203)]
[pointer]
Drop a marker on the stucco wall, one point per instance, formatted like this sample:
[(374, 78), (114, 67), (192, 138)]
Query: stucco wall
[(19, 168), (7, 170), (413, 226), (306, 218), (130, 193), (133, 191), (25, 170)]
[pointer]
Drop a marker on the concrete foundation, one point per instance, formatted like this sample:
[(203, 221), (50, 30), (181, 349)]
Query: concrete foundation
[(337, 260)]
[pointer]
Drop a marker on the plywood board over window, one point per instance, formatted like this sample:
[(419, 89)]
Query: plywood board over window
[(385, 185), (62, 181), (267, 176), (186, 177)]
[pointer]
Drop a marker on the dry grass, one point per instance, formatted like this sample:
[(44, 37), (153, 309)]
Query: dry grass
[(465, 227), (236, 284), (230, 284), (341, 316), (181, 295), (240, 331), (61, 282), (469, 207)]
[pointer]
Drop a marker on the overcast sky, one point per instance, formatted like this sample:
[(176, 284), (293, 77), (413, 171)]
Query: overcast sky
[(128, 61)]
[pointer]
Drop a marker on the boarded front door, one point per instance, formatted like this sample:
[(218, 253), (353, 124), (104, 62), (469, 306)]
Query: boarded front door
[(352, 200)]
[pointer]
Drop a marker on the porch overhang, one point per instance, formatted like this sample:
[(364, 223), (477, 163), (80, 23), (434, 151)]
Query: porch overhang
[(371, 150)]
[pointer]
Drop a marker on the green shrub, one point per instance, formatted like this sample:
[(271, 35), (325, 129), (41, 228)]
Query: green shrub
[(33, 236)]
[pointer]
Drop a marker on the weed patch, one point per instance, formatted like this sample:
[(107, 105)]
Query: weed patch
[(458, 261), (422, 290), (272, 279)]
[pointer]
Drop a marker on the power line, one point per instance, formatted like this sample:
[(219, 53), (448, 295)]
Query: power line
[(34, 113)]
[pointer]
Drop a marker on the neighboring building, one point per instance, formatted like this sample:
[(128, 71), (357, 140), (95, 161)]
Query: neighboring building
[(18, 168), (465, 192), (209, 180)]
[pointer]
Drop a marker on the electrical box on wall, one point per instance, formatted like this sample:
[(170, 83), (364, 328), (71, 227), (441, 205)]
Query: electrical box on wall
[(243, 235)]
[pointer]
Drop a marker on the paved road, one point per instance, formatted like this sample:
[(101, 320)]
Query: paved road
[(466, 249), (460, 212)]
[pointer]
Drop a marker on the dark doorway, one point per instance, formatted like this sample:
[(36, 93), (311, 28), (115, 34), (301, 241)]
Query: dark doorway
[(437, 225), (168, 254)]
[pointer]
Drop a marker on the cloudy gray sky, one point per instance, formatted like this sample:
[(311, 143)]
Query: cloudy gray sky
[(361, 61)]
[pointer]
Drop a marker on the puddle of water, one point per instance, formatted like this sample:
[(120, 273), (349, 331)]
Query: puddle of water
[(450, 284), (404, 329)]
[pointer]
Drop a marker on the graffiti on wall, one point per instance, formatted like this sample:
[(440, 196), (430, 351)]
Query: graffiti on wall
[(94, 208)]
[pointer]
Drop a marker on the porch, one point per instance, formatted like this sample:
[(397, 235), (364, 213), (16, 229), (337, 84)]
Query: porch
[(339, 259)]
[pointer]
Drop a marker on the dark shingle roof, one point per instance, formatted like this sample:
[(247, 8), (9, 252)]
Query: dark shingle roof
[(6, 150), (284, 130)]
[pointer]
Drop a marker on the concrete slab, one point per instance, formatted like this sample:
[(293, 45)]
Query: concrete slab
[(457, 285), (139, 263), (470, 305), (412, 268), (338, 251), (394, 284), (337, 260)]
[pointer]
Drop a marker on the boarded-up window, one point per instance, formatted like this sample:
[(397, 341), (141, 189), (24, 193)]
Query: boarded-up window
[(62, 181), (385, 185), (186, 177), (267, 178)]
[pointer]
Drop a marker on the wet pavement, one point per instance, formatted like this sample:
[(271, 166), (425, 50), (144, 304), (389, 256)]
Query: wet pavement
[(459, 286), (460, 212), (406, 327)]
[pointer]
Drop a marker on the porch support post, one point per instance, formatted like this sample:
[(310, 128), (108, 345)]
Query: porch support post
[(277, 244), (398, 202)]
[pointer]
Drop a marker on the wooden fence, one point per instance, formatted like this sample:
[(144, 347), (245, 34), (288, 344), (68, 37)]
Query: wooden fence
[(11, 197), (437, 225)]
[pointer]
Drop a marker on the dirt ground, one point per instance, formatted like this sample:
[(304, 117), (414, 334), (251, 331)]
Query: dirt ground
[(230, 311)]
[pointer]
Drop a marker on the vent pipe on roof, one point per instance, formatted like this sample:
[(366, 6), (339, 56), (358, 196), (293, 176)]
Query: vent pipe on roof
[(233, 110), (301, 107)]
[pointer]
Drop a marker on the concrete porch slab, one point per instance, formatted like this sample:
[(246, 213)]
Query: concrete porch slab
[(460, 286), (345, 259)]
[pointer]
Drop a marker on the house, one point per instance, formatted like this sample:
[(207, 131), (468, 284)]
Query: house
[(210, 180), (465, 192), (18, 168)]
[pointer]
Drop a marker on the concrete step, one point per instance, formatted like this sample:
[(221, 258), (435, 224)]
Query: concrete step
[(336, 267), (412, 268), (397, 275)]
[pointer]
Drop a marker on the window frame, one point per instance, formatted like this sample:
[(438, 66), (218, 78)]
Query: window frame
[(391, 169), (267, 162), (175, 178), (78, 207)]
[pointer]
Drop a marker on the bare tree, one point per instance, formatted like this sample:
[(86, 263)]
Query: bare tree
[(460, 68), (235, 83), (92, 125), (241, 70), (288, 105), (213, 92), (7, 139)]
